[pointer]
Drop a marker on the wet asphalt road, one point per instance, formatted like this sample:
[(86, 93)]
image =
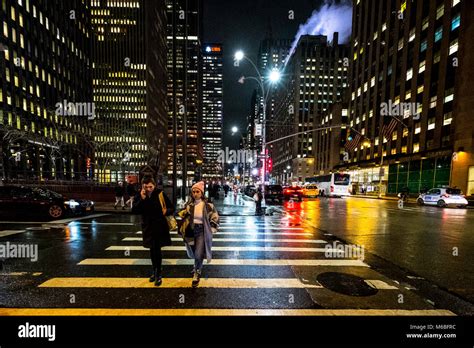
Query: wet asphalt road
[(273, 262)]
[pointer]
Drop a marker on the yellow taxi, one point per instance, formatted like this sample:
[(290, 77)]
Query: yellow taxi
[(310, 190)]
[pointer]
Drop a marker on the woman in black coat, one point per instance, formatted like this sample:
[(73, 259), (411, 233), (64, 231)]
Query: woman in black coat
[(155, 230)]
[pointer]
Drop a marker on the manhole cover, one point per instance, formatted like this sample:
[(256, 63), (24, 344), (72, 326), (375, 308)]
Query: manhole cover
[(346, 284)]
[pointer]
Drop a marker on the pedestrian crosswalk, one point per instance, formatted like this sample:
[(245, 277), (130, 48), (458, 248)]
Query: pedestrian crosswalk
[(256, 264)]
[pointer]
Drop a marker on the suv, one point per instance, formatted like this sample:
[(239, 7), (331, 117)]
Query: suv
[(273, 193), (443, 197), (293, 192)]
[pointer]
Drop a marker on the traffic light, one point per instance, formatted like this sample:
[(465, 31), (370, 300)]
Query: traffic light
[(269, 165)]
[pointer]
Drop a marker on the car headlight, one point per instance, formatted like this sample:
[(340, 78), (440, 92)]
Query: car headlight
[(71, 203), (92, 202)]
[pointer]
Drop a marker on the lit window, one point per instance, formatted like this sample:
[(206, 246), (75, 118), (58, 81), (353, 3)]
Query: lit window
[(449, 98), (422, 66), (453, 47), (447, 118), (455, 2), (438, 34), (439, 11), (412, 35), (417, 128), (393, 152), (425, 24), (423, 45), (409, 74), (5, 29), (456, 22), (433, 102), (437, 57), (431, 123), (404, 149), (416, 147)]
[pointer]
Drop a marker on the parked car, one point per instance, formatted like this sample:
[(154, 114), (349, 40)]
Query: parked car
[(443, 197), (39, 201), (293, 192), (310, 190), (250, 190), (273, 193)]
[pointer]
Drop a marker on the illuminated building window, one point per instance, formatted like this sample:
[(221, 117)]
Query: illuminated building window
[(453, 47), (433, 102), (393, 151), (417, 128), (13, 13), (416, 147), (439, 34), (420, 89), (447, 118), (455, 2), (5, 29), (423, 45), (431, 123), (456, 22), (439, 11), (409, 74), (422, 66)]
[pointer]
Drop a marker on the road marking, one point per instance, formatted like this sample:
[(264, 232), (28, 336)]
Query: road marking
[(217, 312), (255, 233), (220, 248), (76, 218), (263, 227), (106, 223), (381, 285), (10, 232), (249, 240), (223, 283), (225, 262), (35, 274)]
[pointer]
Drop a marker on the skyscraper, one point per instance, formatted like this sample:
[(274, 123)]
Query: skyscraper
[(45, 64), (212, 109), (412, 60), (129, 84), (185, 151), (314, 79)]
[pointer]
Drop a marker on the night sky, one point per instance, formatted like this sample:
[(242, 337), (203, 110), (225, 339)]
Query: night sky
[(242, 25)]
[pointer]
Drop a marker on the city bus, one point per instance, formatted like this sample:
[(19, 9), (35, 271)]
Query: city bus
[(333, 185)]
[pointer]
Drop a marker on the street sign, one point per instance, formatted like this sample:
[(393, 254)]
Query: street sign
[(258, 130)]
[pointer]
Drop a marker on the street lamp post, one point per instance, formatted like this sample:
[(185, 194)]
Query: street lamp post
[(273, 77)]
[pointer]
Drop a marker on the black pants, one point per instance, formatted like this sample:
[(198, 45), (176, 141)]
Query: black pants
[(156, 257)]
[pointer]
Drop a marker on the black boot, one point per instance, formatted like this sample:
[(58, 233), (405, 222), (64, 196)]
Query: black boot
[(153, 276), (158, 279)]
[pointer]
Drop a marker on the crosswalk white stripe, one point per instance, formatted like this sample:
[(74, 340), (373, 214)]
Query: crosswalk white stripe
[(246, 240), (10, 232), (220, 248), (255, 233), (263, 227), (226, 262), (76, 218)]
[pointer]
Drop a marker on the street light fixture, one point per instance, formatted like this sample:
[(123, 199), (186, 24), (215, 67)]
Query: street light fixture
[(273, 77)]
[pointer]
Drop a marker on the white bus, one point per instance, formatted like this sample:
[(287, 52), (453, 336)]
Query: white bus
[(333, 185)]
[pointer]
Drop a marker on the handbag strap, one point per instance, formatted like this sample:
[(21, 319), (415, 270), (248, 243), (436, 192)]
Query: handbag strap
[(162, 202)]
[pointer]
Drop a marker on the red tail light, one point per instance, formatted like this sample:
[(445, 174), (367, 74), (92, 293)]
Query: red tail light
[(299, 190), (332, 188)]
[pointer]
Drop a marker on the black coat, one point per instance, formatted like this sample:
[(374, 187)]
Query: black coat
[(154, 224)]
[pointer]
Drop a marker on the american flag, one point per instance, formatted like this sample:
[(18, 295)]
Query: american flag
[(352, 144), (388, 129)]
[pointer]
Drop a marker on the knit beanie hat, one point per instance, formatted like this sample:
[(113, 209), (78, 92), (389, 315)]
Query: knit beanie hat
[(199, 185)]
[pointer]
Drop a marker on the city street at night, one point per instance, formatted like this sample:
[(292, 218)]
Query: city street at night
[(276, 264), (249, 172)]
